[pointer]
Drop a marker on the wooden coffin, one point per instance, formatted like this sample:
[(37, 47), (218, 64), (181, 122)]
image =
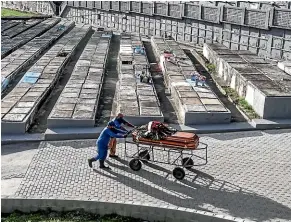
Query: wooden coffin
[(181, 140)]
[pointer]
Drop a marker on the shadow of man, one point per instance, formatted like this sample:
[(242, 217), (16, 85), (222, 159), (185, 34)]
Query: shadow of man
[(214, 194)]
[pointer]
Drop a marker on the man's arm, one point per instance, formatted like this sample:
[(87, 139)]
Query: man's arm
[(126, 123), (111, 134), (118, 125), (129, 124), (122, 130)]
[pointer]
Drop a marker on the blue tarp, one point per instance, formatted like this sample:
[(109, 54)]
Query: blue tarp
[(3, 50), (32, 74), (28, 79), (61, 27), (193, 83), (139, 50), (4, 83)]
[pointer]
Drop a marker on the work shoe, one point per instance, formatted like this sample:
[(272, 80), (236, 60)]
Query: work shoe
[(90, 161), (113, 156), (102, 166)]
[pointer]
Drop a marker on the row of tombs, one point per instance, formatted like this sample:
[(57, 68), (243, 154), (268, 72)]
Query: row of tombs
[(266, 88)]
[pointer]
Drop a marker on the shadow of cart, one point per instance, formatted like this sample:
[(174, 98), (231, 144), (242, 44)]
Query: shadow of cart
[(198, 190)]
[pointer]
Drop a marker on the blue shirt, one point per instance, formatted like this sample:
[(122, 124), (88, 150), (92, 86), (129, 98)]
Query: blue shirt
[(118, 122), (120, 131), (106, 134)]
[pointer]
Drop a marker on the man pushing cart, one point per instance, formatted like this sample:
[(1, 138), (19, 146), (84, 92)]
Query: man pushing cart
[(181, 149)]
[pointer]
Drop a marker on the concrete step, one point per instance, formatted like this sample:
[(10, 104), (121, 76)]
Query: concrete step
[(74, 133), (27, 137), (93, 132), (271, 124)]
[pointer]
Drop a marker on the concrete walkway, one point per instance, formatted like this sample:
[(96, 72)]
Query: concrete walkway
[(247, 176), (15, 160)]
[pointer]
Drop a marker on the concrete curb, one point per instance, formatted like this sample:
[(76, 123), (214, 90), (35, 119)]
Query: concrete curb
[(93, 132), (138, 210), (21, 138)]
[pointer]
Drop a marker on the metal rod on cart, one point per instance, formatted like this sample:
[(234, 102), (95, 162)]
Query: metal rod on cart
[(152, 148), (185, 164), (138, 149), (176, 159), (199, 157), (170, 150), (206, 156)]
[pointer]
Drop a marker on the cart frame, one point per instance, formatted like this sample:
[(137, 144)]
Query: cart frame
[(145, 152)]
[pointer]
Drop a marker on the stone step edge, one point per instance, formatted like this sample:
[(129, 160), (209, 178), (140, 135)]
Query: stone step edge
[(124, 208), (93, 132)]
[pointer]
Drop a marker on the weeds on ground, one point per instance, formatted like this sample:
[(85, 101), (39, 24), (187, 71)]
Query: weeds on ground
[(74, 216), (11, 12), (211, 67), (241, 103)]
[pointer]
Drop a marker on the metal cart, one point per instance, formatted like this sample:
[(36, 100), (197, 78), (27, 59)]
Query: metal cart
[(184, 158)]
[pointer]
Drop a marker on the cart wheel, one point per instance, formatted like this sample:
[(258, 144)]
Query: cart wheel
[(135, 164), (144, 155), (190, 162), (179, 173)]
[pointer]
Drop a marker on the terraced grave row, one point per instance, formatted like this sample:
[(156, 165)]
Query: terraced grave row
[(21, 58), (21, 27), (9, 45), (5, 25), (196, 104), (265, 87), (3, 22), (78, 102), (137, 100), (19, 107)]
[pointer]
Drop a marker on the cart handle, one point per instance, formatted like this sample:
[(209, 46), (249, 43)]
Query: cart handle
[(129, 132)]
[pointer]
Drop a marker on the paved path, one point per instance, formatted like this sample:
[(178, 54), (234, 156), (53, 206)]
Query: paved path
[(15, 160), (248, 176)]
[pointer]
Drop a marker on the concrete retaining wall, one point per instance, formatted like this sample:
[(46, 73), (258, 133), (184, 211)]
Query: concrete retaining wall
[(250, 4), (280, 107), (260, 27), (146, 212), (253, 33), (265, 87)]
